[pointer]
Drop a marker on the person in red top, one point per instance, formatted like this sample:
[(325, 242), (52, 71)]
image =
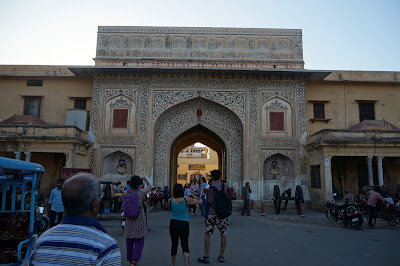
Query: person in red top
[(373, 197)]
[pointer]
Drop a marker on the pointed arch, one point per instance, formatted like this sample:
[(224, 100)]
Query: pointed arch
[(182, 117)]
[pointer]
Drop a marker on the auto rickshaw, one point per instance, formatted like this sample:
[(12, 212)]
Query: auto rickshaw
[(16, 213)]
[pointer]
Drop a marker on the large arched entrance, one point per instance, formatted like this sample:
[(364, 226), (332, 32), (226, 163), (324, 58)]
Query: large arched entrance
[(203, 135), (210, 123)]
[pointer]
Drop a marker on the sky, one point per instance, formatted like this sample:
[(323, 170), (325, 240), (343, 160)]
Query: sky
[(337, 34)]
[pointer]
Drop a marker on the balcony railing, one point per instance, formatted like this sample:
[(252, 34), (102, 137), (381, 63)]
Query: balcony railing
[(353, 135), (42, 132)]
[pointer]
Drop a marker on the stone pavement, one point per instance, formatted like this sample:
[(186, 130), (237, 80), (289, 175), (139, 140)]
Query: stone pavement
[(271, 240)]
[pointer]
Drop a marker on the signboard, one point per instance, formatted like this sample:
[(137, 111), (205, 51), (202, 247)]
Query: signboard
[(182, 177), (197, 167), (68, 172)]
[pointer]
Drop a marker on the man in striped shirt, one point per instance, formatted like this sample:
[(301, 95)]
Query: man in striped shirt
[(79, 239)]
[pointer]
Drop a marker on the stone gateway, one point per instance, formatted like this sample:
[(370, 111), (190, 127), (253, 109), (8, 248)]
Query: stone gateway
[(154, 91)]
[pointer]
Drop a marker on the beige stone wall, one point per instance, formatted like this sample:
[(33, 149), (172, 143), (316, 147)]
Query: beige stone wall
[(342, 107), (55, 100)]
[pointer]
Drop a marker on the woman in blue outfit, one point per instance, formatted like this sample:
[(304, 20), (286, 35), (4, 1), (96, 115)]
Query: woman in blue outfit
[(203, 189), (179, 224)]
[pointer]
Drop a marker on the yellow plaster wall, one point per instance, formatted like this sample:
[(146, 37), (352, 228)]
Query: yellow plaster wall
[(210, 164), (342, 107), (55, 100)]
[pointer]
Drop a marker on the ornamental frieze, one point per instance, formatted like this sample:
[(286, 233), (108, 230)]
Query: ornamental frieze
[(111, 93), (202, 44)]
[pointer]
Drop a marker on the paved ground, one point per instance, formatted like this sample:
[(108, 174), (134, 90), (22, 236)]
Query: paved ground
[(272, 240)]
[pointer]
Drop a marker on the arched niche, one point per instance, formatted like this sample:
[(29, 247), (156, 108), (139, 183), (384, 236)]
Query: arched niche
[(117, 166), (278, 170), (277, 118), (120, 115)]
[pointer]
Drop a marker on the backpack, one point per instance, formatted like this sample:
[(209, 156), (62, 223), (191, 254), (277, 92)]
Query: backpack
[(132, 207), (222, 203)]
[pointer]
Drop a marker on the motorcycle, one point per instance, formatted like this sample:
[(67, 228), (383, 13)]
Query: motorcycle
[(353, 218), (334, 211)]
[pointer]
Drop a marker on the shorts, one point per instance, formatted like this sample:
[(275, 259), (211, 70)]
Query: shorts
[(212, 221)]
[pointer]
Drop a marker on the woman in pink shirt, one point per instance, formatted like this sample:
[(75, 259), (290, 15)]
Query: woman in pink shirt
[(373, 197)]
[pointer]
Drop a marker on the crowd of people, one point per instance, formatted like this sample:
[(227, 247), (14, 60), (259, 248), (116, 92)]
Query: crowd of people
[(80, 239)]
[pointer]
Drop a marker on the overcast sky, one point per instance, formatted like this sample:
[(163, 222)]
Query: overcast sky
[(337, 34)]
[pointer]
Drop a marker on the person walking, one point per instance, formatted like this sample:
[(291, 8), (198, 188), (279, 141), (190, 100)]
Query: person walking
[(136, 229), (246, 190), (203, 190), (194, 190), (373, 197), (56, 207), (179, 224), (79, 239), (213, 220), (165, 197)]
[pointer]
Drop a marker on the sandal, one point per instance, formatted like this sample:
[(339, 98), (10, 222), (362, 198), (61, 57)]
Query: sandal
[(221, 259), (204, 259)]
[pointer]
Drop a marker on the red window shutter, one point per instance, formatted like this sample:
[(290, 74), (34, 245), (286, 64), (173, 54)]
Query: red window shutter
[(120, 118), (276, 121)]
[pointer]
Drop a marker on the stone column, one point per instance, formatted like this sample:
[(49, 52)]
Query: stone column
[(17, 155), (27, 156), (380, 170), (370, 173), (328, 177)]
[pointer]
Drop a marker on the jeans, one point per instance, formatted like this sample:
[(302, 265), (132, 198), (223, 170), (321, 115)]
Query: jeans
[(203, 205)]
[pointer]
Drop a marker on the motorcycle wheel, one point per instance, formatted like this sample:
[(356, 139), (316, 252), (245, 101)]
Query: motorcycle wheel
[(329, 215)]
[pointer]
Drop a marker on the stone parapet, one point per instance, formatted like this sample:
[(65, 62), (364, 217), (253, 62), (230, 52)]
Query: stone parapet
[(331, 136), (224, 47)]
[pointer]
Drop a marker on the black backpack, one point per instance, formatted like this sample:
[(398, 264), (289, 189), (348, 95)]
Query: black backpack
[(222, 203)]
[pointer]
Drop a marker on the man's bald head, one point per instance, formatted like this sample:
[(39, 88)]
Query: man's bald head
[(78, 192)]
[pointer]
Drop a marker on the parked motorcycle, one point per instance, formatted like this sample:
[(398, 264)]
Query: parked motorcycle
[(353, 218), (334, 212)]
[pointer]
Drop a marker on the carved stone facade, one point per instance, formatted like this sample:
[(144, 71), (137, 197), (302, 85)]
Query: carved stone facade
[(226, 48), (237, 107)]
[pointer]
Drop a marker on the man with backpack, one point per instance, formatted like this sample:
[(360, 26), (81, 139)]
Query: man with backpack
[(220, 210)]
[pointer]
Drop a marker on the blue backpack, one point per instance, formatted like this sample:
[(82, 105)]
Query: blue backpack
[(132, 206)]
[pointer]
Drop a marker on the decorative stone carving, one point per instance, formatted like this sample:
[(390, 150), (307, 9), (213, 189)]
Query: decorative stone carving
[(111, 93), (276, 105), (291, 91), (117, 165), (182, 117), (254, 46), (279, 167)]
